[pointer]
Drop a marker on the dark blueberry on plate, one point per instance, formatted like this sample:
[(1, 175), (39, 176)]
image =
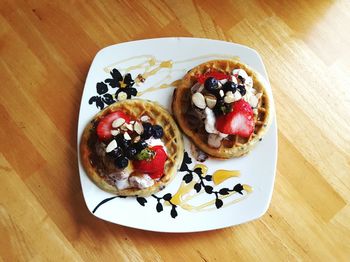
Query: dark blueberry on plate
[(241, 89), (157, 131), (229, 86), (140, 145), (147, 130), (116, 152), (121, 162), (131, 151), (211, 84)]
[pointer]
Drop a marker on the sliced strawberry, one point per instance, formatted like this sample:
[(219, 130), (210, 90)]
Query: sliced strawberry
[(154, 166), (238, 122), (217, 75), (104, 127)]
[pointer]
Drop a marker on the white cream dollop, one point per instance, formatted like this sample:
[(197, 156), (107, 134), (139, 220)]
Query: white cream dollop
[(142, 182)]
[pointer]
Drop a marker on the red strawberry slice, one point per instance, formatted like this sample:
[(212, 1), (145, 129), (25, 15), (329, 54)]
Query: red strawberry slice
[(238, 122), (217, 75), (104, 127), (153, 167)]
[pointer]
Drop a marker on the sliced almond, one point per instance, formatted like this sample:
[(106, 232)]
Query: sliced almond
[(144, 118), (115, 132), (132, 122), (229, 97), (198, 100), (137, 139), (138, 127), (210, 101), (124, 127), (129, 126), (126, 136), (111, 146), (221, 93), (118, 122)]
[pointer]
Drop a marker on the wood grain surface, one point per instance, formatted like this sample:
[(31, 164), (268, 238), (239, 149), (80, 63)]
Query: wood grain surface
[(46, 49)]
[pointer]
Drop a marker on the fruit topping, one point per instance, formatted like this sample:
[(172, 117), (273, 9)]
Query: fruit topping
[(157, 131), (238, 122), (147, 130), (104, 127), (145, 154), (229, 86), (211, 84), (121, 162), (115, 153), (140, 145), (217, 75), (241, 89), (131, 152), (152, 166)]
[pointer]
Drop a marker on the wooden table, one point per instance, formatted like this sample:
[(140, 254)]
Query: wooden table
[(46, 50)]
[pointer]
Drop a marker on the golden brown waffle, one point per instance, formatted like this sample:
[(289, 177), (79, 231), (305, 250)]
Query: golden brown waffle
[(233, 145), (172, 140)]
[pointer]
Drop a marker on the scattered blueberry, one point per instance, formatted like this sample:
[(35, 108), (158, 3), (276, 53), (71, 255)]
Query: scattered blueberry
[(241, 78), (211, 84), (229, 86), (122, 142), (241, 89), (131, 151), (147, 130), (116, 152), (157, 131), (140, 145), (121, 162)]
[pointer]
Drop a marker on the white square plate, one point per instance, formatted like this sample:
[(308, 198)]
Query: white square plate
[(167, 60)]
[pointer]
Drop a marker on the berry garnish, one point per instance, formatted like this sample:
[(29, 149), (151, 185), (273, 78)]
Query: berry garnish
[(229, 86), (131, 152), (145, 154), (140, 145), (121, 162), (116, 152), (147, 130), (104, 127), (217, 75), (153, 165), (122, 142), (241, 89), (211, 84), (238, 122), (157, 131)]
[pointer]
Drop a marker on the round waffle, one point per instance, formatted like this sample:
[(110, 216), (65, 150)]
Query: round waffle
[(233, 145), (135, 108)]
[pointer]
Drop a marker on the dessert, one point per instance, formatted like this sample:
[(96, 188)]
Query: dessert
[(132, 148), (223, 107)]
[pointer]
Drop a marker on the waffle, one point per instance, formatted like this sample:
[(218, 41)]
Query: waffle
[(233, 145), (172, 140)]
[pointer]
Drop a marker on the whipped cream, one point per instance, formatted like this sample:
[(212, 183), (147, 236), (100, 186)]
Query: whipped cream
[(142, 182)]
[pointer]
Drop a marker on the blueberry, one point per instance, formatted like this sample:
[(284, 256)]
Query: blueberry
[(131, 151), (140, 145), (116, 152), (241, 89), (157, 131), (241, 78), (121, 162), (122, 142), (147, 130), (211, 84), (229, 86)]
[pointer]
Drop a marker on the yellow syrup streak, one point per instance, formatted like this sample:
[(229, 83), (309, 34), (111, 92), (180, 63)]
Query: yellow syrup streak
[(221, 175)]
